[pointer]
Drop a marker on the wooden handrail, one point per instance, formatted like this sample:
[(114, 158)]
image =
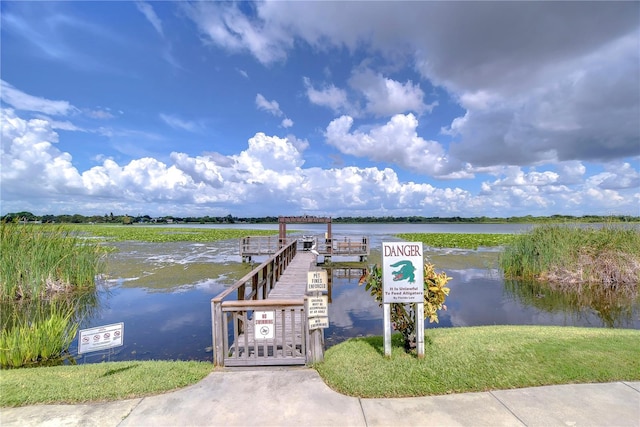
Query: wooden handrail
[(249, 276), (263, 303)]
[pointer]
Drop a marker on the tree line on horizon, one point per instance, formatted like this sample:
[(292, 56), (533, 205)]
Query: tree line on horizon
[(110, 218)]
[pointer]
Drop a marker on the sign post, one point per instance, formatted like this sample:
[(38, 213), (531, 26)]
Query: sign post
[(403, 282), (317, 309)]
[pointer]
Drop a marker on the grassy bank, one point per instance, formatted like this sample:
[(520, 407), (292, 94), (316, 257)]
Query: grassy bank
[(457, 360), (483, 358), (96, 382), (569, 256)]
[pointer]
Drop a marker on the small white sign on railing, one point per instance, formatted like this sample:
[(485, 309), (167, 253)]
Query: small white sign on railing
[(263, 322), (100, 338)]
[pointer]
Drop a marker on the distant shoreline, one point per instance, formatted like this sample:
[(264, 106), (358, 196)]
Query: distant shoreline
[(229, 219)]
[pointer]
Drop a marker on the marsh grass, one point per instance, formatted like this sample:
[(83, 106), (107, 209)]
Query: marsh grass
[(605, 259), (47, 280), (39, 260), (36, 332)]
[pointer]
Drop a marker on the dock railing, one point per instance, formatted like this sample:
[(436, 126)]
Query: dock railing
[(286, 345), (328, 247), (251, 293)]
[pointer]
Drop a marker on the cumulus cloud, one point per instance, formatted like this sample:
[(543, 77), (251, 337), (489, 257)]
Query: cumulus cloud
[(271, 107), (286, 123), (369, 93), (385, 97), (269, 177), (396, 142), (226, 26), (30, 159), (540, 81), (328, 96), (617, 176)]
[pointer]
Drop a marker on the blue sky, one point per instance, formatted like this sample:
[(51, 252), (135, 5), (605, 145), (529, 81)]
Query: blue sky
[(321, 108)]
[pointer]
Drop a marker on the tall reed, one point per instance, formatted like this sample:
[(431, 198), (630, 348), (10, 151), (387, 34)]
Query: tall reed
[(569, 256), (38, 260)]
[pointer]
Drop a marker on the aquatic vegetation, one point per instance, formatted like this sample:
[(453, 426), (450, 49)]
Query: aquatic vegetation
[(159, 234), (458, 240), (569, 258), (31, 335), (39, 260)]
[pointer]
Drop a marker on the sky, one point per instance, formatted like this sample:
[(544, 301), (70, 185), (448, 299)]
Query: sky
[(274, 108)]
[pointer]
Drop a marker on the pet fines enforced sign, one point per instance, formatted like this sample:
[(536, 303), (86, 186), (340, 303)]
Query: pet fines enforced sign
[(402, 272), (317, 281)]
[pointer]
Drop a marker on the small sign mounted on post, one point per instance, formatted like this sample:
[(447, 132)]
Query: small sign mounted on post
[(403, 282), (100, 338), (318, 306), (318, 323), (317, 281), (264, 323)]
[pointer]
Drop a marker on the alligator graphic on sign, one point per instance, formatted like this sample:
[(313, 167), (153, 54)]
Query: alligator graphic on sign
[(405, 272)]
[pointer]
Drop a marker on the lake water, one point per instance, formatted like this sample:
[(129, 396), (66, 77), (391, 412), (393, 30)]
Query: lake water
[(162, 292)]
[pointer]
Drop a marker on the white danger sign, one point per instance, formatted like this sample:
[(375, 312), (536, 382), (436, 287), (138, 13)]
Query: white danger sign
[(317, 281), (402, 272), (100, 338), (264, 324)]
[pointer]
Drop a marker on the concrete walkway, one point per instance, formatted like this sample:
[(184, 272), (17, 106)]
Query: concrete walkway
[(299, 397)]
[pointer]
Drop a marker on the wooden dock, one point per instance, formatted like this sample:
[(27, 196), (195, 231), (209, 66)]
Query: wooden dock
[(288, 345), (273, 295), (293, 283)]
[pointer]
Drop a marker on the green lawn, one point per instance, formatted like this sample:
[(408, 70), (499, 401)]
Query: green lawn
[(457, 360), (96, 382), (483, 358)]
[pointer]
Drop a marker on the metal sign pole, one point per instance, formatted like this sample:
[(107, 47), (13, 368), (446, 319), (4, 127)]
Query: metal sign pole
[(387, 329), (420, 329)]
